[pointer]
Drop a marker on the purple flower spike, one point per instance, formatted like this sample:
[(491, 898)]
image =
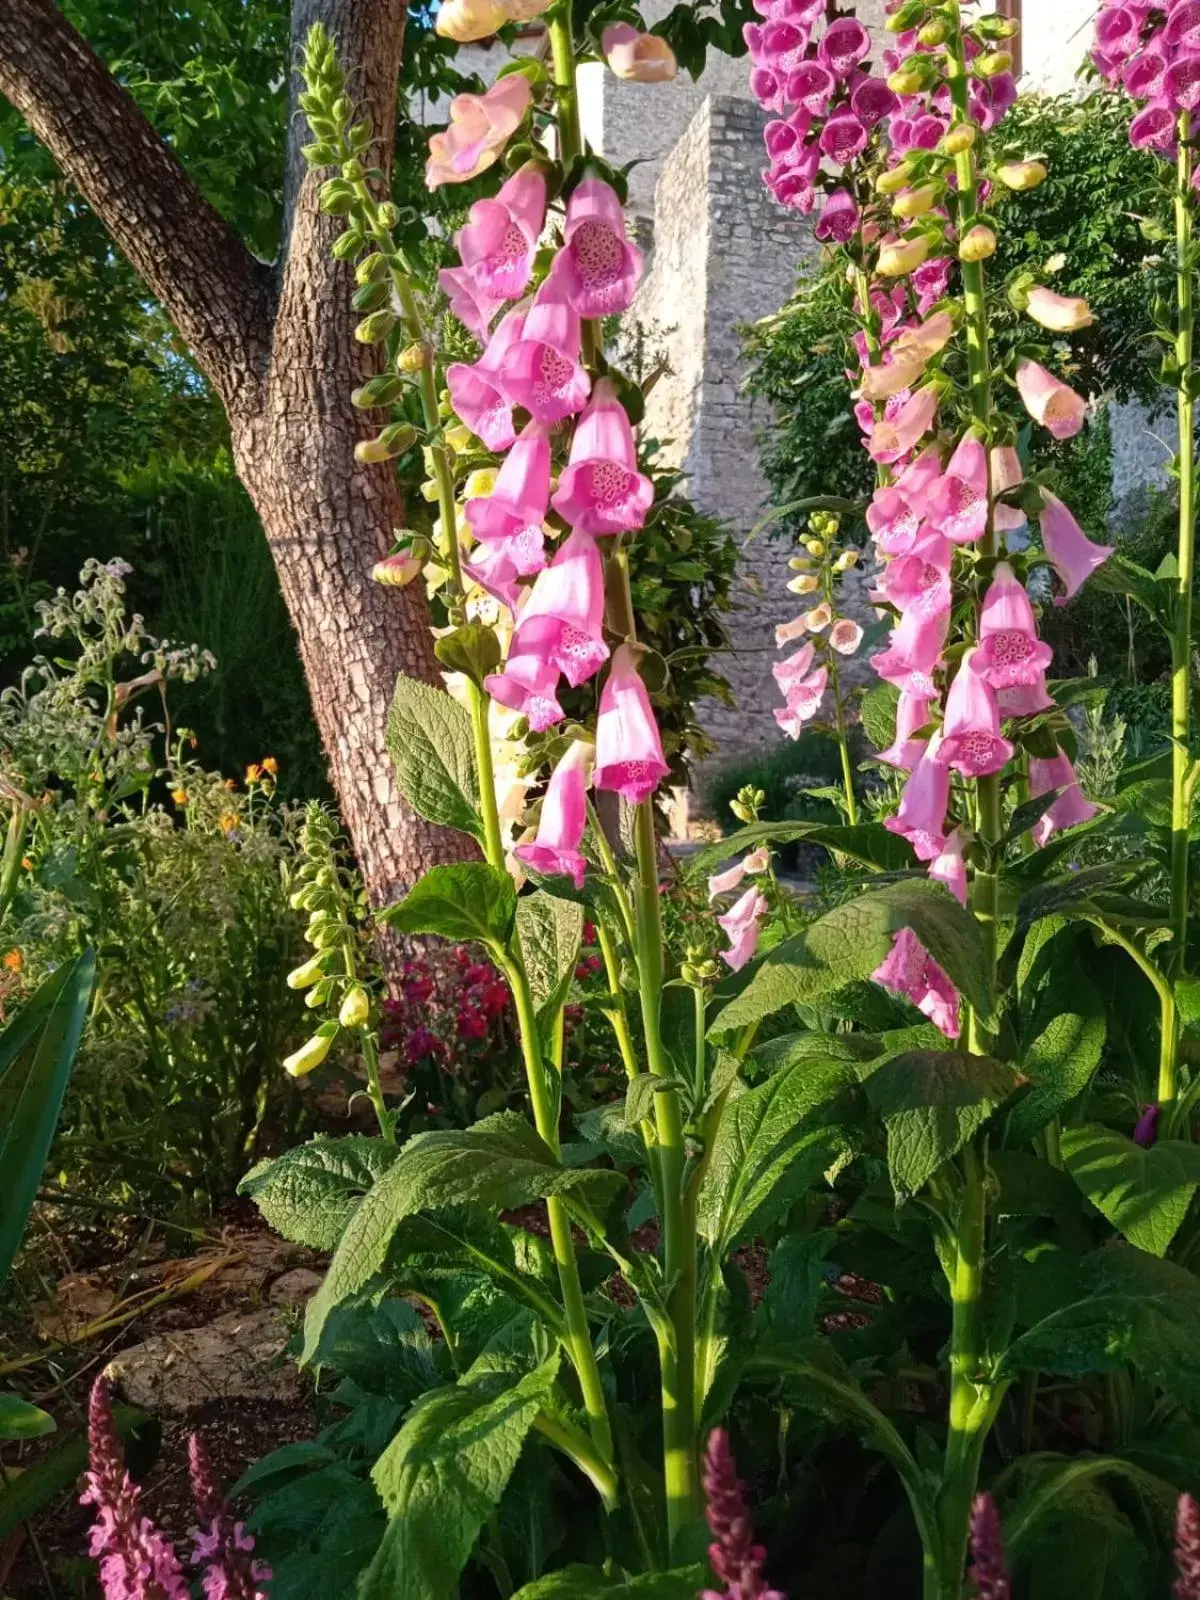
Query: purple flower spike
[(222, 1547), (736, 1559), (988, 1570), (1187, 1550)]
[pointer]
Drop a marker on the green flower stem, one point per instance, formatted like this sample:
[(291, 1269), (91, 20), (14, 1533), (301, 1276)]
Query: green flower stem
[(579, 1448), (493, 844), (1181, 638), (370, 1054), (616, 1013), (14, 853), (961, 1466), (839, 714)]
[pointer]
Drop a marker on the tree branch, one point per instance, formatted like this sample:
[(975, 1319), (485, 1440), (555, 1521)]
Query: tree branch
[(210, 285)]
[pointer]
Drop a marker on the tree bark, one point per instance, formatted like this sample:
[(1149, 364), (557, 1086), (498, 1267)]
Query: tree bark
[(277, 345)]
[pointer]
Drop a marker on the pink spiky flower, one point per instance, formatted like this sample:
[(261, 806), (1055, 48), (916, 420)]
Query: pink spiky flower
[(735, 1558), (555, 849), (1187, 1549), (988, 1570), (221, 1545)]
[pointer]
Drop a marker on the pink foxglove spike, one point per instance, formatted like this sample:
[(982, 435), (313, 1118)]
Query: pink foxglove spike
[(629, 753), (601, 267), (1069, 808), (498, 242), (528, 684), (542, 371), (563, 618), (1050, 401), (477, 393), (555, 850), (601, 490), (921, 818), (905, 751), (1010, 651), (521, 496), (1072, 554), (741, 924), (911, 972), (971, 741)]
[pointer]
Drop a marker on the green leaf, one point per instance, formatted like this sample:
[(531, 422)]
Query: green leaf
[(868, 842), (771, 1143), (1081, 1544), (590, 1583), (471, 900), (550, 931), (24, 1496), (639, 1097), (848, 943), (20, 1420), (309, 1193), (1065, 1042), (931, 1102), (1145, 1194), (1119, 575), (499, 1163), (384, 1349), (877, 711), (37, 1052), (440, 1480), (432, 746), (1072, 895)]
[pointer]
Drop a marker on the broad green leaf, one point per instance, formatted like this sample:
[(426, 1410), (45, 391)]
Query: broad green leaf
[(639, 1097), (1030, 1187), (797, 1274), (1072, 895), (471, 900), (550, 931), (772, 1142), (1119, 575), (384, 1349), (309, 1193), (590, 1583), (499, 1163), (850, 942), (1065, 1042), (432, 746), (1145, 1194), (931, 1102), (877, 710), (20, 1420), (37, 1052), (1092, 1335), (440, 1479), (868, 842), (1086, 1547), (791, 1048)]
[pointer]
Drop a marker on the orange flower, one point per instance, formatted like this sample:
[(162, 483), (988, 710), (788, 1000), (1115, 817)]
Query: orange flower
[(180, 796), (253, 773), (14, 961), (227, 822), (269, 764), (231, 784)]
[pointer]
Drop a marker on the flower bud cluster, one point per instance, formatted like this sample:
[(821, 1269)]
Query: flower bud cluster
[(805, 675)]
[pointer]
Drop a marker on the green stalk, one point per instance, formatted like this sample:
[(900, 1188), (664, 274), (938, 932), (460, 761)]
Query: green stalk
[(14, 853), (1181, 638), (961, 1466), (370, 1051), (676, 1354)]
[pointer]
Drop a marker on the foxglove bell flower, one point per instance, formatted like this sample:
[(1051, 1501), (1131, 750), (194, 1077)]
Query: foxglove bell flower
[(910, 972), (629, 753), (601, 267), (839, 219), (1059, 312), (554, 851), (1010, 651), (477, 392), (1007, 473), (971, 741), (741, 925), (950, 867), (803, 693), (563, 619), (500, 237), (521, 496), (1069, 808), (958, 503), (637, 57), (1072, 554), (543, 371), (1050, 401), (1146, 1129), (722, 882), (601, 490), (914, 652), (472, 305), (912, 713), (921, 818), (894, 436), (529, 685), (496, 567), (480, 126)]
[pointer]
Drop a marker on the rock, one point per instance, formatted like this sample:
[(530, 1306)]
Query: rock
[(295, 1288), (235, 1356)]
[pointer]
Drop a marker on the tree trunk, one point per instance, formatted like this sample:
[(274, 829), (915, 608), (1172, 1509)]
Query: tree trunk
[(277, 344)]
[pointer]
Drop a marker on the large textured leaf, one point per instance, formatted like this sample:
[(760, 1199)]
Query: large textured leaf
[(1145, 1194), (1075, 894), (771, 1142), (384, 1349), (37, 1052), (1086, 1547), (430, 741), (309, 1193), (868, 842), (440, 1479), (499, 1163), (1064, 1040), (550, 931), (848, 943), (590, 1583), (468, 901), (931, 1102)]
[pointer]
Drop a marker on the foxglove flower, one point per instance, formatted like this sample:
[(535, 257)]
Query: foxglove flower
[(637, 57), (1050, 401), (500, 237), (222, 1547), (601, 490), (1006, 474), (554, 851), (958, 503), (1010, 651), (741, 925), (722, 882), (601, 267), (838, 221), (912, 712), (950, 867), (803, 697), (988, 1570), (472, 305), (1145, 1133), (1060, 313), (629, 753), (496, 567), (894, 436), (1069, 808), (477, 392), (521, 496), (911, 972), (563, 619), (1072, 554), (529, 685), (971, 742), (137, 1562), (480, 126), (735, 1558), (921, 818), (914, 652), (543, 371)]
